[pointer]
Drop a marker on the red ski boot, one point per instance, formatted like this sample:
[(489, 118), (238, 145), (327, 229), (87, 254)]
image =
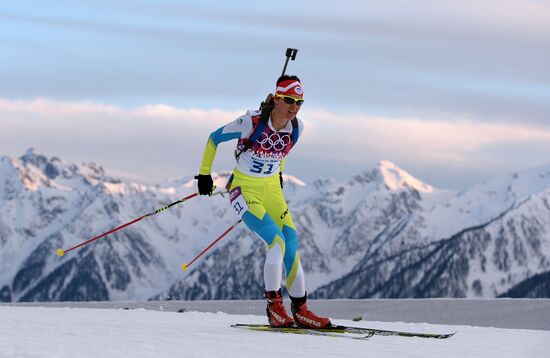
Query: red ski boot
[(304, 317), (276, 312)]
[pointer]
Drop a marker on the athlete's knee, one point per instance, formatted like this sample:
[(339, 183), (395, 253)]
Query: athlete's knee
[(291, 240), (278, 242), (292, 265), (265, 228), (275, 254)]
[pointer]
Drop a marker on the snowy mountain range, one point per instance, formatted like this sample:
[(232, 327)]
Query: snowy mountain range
[(381, 233)]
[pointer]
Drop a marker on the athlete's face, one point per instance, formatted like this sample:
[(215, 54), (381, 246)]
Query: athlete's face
[(285, 110)]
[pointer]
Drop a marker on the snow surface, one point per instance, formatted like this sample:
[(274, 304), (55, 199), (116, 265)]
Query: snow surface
[(83, 332)]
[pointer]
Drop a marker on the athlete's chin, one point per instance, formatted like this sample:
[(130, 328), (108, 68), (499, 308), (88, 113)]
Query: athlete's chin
[(291, 114)]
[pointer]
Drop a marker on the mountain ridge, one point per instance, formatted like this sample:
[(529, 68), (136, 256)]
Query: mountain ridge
[(381, 233)]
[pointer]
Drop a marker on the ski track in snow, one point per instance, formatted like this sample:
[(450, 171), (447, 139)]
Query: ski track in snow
[(84, 332)]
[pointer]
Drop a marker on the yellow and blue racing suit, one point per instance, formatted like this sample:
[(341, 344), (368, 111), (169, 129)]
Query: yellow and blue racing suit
[(257, 175)]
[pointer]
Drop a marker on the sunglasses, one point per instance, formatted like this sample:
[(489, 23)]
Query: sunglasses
[(291, 100)]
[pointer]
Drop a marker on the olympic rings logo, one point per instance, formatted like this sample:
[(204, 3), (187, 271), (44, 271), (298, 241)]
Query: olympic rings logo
[(275, 141)]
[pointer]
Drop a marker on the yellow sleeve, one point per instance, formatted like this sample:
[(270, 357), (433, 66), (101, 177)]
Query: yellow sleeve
[(208, 157), (228, 132)]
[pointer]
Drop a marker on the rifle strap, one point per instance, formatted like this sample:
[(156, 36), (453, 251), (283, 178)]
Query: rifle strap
[(266, 107)]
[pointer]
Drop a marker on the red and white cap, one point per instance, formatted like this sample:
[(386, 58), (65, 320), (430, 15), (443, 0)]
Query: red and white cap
[(290, 88)]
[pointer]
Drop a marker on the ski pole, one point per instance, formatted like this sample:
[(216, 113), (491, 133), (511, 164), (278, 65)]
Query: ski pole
[(185, 267), (61, 252)]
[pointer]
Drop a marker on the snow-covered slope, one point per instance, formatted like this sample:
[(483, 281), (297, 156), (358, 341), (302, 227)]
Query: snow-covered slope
[(60, 332), (381, 233), (477, 243)]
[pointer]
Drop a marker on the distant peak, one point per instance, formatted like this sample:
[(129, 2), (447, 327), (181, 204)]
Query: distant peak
[(387, 174), (387, 164), (387, 168), (30, 155), (397, 178)]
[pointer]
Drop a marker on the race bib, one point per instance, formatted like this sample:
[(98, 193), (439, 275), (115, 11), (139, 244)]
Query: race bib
[(237, 201)]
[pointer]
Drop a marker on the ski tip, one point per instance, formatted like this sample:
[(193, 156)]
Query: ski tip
[(60, 252), (184, 267)]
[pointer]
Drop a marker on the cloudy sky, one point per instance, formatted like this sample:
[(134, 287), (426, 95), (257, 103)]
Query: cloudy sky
[(454, 91)]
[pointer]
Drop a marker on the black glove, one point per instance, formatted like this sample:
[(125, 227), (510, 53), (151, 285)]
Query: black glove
[(205, 184), (281, 178)]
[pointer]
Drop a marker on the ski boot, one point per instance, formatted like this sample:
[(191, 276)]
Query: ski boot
[(276, 312), (303, 317)]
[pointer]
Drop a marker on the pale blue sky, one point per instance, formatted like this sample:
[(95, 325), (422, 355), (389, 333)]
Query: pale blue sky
[(452, 65)]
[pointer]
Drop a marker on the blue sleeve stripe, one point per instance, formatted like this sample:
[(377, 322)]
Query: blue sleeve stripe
[(218, 136)]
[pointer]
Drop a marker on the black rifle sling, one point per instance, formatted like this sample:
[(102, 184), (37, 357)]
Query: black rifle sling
[(266, 107), (258, 130)]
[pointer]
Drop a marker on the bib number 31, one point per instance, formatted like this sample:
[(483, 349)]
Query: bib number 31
[(237, 201), (261, 168)]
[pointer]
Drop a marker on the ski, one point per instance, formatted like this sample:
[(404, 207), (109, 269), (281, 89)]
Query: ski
[(343, 330), (304, 331)]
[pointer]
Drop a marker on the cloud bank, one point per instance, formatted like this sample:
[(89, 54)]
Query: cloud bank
[(393, 58), (157, 142)]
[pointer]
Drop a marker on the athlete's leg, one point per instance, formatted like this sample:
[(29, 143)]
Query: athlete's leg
[(295, 280), (268, 231), (277, 208), (260, 222)]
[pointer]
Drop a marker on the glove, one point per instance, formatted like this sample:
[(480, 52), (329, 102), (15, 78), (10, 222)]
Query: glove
[(205, 184), (281, 178)]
